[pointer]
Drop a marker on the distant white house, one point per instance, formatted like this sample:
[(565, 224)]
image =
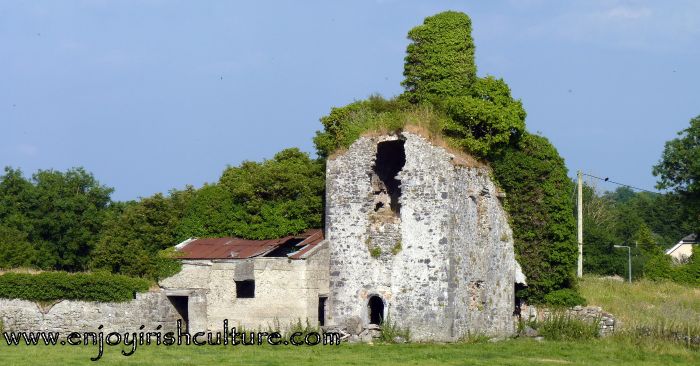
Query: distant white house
[(684, 248)]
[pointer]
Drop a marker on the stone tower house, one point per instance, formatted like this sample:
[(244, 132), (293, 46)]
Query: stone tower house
[(417, 237)]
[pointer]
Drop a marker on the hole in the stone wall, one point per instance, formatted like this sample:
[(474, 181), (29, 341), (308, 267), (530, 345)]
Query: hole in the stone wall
[(391, 157), (245, 289), (375, 306), (519, 301)]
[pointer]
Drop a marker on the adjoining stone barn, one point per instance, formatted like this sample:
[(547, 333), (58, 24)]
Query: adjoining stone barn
[(255, 284)]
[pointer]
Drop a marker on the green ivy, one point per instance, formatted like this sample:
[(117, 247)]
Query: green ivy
[(540, 202), (49, 286)]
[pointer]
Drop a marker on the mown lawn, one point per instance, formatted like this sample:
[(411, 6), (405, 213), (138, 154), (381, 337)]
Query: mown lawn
[(518, 352)]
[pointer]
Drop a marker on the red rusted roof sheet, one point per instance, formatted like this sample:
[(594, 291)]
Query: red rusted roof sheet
[(237, 248), (315, 238)]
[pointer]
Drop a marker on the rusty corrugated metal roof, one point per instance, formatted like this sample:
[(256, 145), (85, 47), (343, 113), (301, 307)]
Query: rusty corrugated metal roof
[(309, 243), (237, 248)]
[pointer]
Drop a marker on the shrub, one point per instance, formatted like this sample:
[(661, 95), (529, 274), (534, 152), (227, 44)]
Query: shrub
[(564, 298), (563, 327), (390, 331), (440, 58), (50, 286)]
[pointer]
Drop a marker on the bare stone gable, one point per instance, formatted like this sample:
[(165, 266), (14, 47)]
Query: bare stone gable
[(414, 237)]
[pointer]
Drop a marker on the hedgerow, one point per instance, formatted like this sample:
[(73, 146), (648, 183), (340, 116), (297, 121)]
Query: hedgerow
[(50, 286)]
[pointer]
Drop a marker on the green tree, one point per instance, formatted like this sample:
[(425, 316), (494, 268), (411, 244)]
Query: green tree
[(679, 169), (15, 249), (599, 224), (68, 212), (277, 197), (211, 213), (644, 239), (134, 237), (58, 216), (16, 200)]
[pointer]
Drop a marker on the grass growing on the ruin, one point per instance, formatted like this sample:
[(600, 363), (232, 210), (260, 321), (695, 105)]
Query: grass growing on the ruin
[(519, 352)]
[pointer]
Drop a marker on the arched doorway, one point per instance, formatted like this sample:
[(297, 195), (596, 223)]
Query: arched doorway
[(375, 307)]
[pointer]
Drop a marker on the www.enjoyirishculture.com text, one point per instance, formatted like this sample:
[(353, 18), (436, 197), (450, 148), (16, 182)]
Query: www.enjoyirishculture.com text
[(228, 336)]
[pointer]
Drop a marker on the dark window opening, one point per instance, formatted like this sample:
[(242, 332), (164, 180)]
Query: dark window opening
[(288, 247), (245, 289), (180, 304), (375, 306), (519, 300), (391, 157), (322, 310)]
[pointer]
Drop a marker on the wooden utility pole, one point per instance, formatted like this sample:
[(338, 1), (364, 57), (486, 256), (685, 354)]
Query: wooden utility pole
[(579, 207)]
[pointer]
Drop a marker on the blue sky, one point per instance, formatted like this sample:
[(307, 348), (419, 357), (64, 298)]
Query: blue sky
[(154, 95)]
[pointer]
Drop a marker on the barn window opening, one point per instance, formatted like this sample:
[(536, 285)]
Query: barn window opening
[(391, 158), (245, 289), (375, 306)]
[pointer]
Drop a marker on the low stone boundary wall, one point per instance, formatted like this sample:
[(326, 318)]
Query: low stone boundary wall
[(606, 321), (150, 309)]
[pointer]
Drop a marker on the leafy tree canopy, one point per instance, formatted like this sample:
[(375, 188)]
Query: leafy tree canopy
[(59, 213), (679, 168)]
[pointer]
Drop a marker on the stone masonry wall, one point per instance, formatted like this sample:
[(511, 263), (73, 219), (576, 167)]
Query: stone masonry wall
[(606, 321), (286, 291), (150, 309), (445, 263)]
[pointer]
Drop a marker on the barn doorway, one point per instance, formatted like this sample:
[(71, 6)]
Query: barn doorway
[(180, 304), (375, 307), (322, 310)]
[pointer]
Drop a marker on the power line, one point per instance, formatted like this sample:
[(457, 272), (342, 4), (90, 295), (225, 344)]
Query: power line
[(606, 179)]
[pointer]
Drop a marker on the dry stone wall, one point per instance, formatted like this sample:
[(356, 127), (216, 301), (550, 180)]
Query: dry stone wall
[(151, 309)]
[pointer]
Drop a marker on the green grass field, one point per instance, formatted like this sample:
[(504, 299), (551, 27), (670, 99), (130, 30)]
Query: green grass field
[(519, 352), (642, 303)]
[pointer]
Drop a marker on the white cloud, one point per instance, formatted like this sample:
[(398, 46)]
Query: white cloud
[(650, 26), (627, 13), (27, 149)]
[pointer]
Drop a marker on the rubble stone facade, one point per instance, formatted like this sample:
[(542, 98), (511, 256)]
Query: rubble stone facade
[(418, 239)]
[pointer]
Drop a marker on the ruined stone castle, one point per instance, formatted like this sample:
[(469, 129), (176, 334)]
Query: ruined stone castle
[(418, 237), (414, 234)]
